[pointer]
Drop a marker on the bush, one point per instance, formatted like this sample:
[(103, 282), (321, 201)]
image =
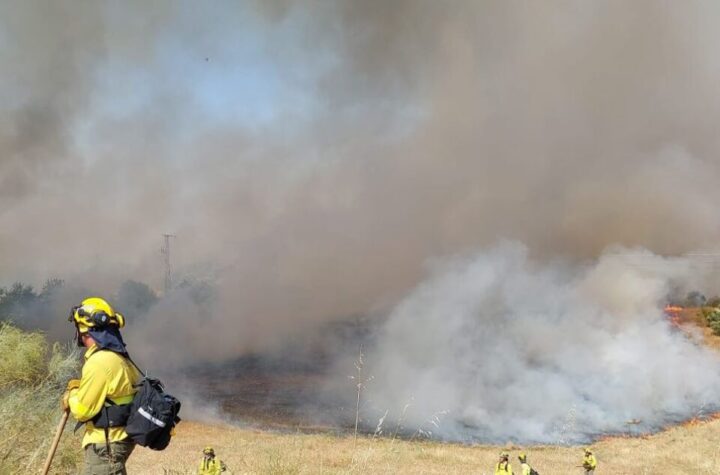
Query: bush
[(23, 356), (712, 317), (32, 379)]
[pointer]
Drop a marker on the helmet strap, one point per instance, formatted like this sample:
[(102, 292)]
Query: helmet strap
[(78, 336)]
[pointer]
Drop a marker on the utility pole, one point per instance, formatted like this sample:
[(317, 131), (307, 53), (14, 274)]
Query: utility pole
[(165, 252)]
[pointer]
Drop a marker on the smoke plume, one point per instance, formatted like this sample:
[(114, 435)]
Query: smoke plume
[(311, 157), (495, 347)]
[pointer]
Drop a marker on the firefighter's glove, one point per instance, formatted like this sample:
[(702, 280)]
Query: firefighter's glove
[(64, 404), (72, 384)]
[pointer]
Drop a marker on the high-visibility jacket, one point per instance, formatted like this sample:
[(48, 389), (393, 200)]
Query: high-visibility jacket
[(589, 462), (211, 467), (105, 375), (503, 468), (524, 469)]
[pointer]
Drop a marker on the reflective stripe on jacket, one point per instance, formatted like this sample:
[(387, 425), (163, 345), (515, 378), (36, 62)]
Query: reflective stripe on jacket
[(105, 374), (211, 467), (503, 468)]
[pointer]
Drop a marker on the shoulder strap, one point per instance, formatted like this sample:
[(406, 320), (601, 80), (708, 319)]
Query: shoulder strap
[(107, 400), (127, 355)]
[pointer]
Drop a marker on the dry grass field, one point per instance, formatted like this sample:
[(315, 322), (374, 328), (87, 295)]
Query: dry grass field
[(693, 448), (689, 449)]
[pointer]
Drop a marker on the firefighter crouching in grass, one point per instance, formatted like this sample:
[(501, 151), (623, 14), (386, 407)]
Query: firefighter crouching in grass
[(106, 385), (589, 462), (209, 465)]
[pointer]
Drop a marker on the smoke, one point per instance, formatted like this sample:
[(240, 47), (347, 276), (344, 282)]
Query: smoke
[(312, 156), (496, 347)]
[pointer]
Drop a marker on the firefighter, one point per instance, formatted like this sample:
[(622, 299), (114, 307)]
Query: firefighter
[(209, 465), (503, 466), (107, 384), (589, 462), (524, 467)]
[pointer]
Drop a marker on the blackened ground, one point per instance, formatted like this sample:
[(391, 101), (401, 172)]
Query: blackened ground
[(288, 390)]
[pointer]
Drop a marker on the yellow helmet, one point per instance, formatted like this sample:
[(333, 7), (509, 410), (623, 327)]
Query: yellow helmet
[(95, 312), (587, 450), (522, 456), (504, 455), (208, 451)]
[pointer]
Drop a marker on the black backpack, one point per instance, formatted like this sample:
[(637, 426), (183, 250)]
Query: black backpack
[(533, 471), (153, 415), (148, 420)]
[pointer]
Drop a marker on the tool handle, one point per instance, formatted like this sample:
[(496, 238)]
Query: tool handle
[(55, 442)]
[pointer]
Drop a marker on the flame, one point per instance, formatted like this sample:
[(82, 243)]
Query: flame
[(674, 314), (694, 422)]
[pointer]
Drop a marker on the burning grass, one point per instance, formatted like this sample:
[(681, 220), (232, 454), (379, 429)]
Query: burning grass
[(693, 321)]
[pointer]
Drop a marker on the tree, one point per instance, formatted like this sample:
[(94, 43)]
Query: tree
[(695, 299), (135, 298), (15, 300)]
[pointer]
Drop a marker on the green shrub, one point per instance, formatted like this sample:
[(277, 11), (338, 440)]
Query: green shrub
[(712, 317)]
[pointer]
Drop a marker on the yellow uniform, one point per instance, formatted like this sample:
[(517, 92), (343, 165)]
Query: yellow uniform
[(589, 463), (211, 467), (503, 468), (524, 469), (105, 374)]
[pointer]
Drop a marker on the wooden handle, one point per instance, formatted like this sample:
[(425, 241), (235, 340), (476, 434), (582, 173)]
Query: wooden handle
[(55, 442)]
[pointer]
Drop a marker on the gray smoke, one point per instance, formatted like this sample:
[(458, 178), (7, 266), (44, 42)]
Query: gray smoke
[(496, 347), (312, 156)]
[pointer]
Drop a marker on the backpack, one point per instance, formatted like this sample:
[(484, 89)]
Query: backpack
[(153, 415), (149, 419), (533, 471)]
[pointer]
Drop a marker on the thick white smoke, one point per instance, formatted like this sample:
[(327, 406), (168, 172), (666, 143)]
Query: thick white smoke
[(501, 348)]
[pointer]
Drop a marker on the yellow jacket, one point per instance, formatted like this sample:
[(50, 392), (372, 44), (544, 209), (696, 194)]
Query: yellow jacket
[(524, 469), (589, 462), (105, 374), (503, 468), (211, 467)]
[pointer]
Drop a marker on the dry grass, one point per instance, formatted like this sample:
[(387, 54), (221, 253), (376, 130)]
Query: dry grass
[(23, 356), (30, 387), (29, 413), (690, 449), (692, 320)]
